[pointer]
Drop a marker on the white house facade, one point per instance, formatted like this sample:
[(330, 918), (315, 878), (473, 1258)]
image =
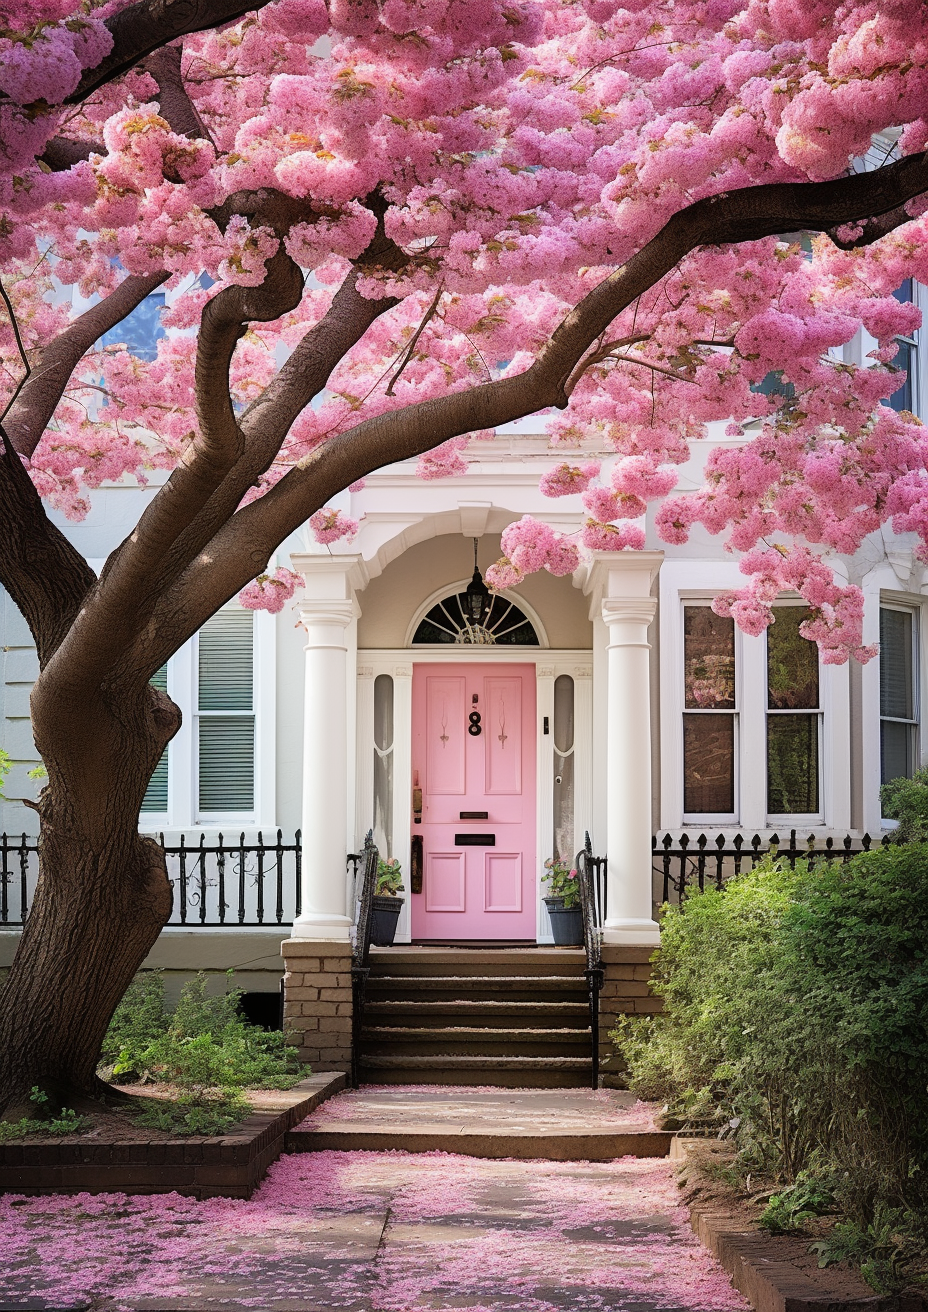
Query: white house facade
[(612, 702)]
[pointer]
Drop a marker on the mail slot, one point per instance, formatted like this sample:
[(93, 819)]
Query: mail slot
[(475, 840), (474, 815)]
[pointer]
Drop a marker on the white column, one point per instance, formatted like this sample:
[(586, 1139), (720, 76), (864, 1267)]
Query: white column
[(628, 772), (325, 771)]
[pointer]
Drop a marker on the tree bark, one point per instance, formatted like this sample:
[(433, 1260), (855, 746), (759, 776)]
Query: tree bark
[(102, 898)]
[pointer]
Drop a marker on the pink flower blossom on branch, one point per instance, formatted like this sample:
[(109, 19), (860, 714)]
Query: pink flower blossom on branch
[(329, 525), (271, 591)]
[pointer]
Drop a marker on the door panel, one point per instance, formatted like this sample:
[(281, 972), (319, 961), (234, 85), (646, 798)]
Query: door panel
[(484, 890), (503, 735), (503, 881)]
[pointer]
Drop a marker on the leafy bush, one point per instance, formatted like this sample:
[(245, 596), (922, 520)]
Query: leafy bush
[(788, 1210), (906, 800), (795, 1018), (888, 1249), (197, 1112), (389, 877), (66, 1122), (204, 1043)]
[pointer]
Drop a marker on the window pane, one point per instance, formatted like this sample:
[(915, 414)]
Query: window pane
[(792, 662), (227, 662), (383, 764), (564, 838), (792, 764), (708, 659), (140, 329), (896, 684), (383, 711), (156, 794), (227, 763), (709, 764), (902, 398), (897, 750)]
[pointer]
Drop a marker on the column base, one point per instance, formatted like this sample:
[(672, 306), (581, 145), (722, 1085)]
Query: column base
[(321, 927), (644, 933)]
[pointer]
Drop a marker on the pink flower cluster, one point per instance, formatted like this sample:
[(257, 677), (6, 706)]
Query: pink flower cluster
[(329, 525), (271, 591), (529, 545)]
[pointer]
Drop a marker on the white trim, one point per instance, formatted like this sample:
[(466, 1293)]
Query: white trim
[(399, 662), (451, 590)]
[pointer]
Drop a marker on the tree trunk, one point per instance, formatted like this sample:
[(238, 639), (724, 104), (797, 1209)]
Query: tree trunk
[(101, 901)]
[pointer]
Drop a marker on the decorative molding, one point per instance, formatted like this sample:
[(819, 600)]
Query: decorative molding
[(365, 671), (545, 671)]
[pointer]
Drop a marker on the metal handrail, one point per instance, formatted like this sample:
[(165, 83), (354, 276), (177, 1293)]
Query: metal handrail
[(365, 868), (591, 872)]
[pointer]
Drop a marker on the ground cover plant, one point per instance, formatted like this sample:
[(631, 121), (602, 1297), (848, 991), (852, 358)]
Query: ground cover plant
[(796, 1024), (622, 216), (203, 1048)]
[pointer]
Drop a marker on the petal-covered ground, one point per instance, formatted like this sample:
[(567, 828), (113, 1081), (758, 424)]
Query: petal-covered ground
[(485, 1107), (374, 1232)]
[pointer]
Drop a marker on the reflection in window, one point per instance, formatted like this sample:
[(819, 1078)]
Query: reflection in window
[(564, 767), (140, 330), (709, 716), (793, 716), (898, 713), (383, 763), (905, 359)]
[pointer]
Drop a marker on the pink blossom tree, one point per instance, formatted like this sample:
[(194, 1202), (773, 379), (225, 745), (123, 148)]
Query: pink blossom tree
[(570, 207)]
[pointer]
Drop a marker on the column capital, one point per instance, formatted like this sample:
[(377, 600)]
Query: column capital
[(338, 614), (624, 610), (615, 574), (329, 577)]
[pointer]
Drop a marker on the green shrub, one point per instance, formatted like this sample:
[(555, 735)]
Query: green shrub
[(906, 800), (796, 1018), (797, 1203), (196, 1112), (205, 1043)]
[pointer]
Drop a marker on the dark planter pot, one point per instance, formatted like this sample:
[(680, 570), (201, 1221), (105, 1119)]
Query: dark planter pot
[(383, 922), (566, 925)]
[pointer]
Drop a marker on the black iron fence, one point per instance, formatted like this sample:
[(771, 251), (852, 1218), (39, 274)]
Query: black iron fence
[(215, 884), (684, 862)]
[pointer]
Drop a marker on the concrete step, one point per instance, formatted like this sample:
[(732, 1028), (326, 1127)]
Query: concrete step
[(487, 1013), (470, 1041), (495, 1076), (481, 1141)]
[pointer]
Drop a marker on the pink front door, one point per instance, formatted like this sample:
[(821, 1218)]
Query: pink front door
[(473, 756)]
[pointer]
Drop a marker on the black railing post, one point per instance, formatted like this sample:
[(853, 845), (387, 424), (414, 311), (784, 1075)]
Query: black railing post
[(5, 888), (241, 879), (279, 908), (201, 857), (260, 878), (221, 879), (298, 863), (182, 880), (362, 943)]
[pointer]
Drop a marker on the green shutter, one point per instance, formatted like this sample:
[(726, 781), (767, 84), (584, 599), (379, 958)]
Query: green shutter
[(226, 718), (156, 794)]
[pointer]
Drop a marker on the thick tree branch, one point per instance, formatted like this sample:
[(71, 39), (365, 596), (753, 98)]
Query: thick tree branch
[(45, 575), (176, 105), (62, 153), (53, 364), (150, 24), (245, 543)]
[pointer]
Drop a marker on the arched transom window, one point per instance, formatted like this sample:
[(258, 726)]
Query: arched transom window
[(449, 621)]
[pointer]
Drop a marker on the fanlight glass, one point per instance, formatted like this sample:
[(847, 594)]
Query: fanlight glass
[(450, 621)]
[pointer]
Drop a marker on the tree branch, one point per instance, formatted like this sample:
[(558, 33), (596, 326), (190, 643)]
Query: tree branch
[(148, 25), (53, 364), (244, 545), (62, 153), (175, 102)]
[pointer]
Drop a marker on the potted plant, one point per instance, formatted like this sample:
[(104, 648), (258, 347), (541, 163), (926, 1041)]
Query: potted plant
[(387, 903), (563, 902)]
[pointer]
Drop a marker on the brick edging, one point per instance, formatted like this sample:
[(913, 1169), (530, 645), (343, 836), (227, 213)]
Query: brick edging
[(223, 1166), (758, 1271)]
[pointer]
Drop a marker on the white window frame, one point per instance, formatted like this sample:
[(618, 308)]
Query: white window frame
[(712, 817), (798, 819), (915, 612), (183, 775), (694, 582)]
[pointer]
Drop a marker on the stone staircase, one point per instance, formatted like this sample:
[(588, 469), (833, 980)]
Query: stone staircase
[(510, 1017)]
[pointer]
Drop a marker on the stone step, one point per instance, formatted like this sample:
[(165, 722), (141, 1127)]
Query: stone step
[(493, 1042), (488, 1013), (418, 962), (521, 988), (411, 1136)]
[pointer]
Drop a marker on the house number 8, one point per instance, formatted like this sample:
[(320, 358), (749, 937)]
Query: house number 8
[(474, 726)]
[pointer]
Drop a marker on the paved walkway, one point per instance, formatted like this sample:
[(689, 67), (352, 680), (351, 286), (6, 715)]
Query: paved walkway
[(554, 1124), (384, 1231)]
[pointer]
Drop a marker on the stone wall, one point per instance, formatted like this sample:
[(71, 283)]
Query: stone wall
[(317, 1001), (626, 991)]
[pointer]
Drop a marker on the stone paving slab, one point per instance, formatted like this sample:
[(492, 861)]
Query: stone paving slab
[(554, 1124), (374, 1232)]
